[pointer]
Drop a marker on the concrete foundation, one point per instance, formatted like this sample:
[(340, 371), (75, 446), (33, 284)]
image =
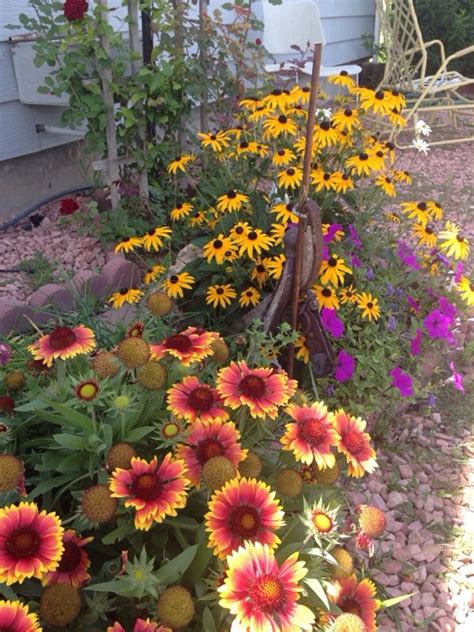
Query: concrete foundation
[(27, 180)]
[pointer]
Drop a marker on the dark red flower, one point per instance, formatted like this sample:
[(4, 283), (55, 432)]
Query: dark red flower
[(68, 205), (258, 41), (75, 10), (7, 404)]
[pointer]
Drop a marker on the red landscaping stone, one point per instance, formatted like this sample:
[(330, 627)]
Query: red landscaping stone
[(117, 273), (125, 315), (82, 280), (13, 316), (52, 295)]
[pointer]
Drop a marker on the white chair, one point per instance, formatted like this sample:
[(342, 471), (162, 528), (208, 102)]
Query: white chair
[(296, 23)]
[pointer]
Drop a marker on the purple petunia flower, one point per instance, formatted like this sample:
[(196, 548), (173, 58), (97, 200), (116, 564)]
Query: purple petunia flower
[(5, 353), (332, 230), (402, 381), (447, 309), (459, 271), (356, 262), (370, 274), (457, 378), (391, 323), (407, 255), (390, 289), (354, 236), (432, 400), (345, 368), (325, 253), (415, 346), (332, 322), (437, 325)]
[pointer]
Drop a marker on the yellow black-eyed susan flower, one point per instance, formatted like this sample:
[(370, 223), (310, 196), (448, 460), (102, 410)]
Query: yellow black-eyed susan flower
[(325, 134), (393, 217), (259, 272), (183, 209), (389, 149), (397, 99), (253, 242), (302, 351), (153, 273), (177, 283), (198, 218), (283, 157), (217, 249), (231, 201), (300, 146), (378, 101), (348, 295), (369, 306), (217, 141), (300, 94), (434, 209), (342, 182), (346, 119), (378, 156), (180, 163), (425, 235), (326, 296), (278, 99), (402, 176), (277, 232), (333, 270), (290, 178), (249, 297), (285, 212), (417, 211), (342, 79), (323, 181), (261, 112), (465, 287), (220, 295), (238, 230), (246, 147), (396, 119), (250, 103), (128, 244), (454, 244), (363, 163), (386, 184), (153, 239), (274, 265), (275, 126), (125, 295)]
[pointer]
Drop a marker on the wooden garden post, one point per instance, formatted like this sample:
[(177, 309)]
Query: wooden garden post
[(136, 61), (108, 97)]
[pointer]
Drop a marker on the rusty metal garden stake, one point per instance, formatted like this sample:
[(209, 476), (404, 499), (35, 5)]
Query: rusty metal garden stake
[(315, 76)]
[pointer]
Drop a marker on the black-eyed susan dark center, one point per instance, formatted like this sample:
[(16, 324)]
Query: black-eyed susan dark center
[(332, 262), (326, 292), (252, 235), (217, 243), (173, 279), (282, 119), (290, 172), (231, 194), (379, 95), (326, 176), (348, 112), (325, 125), (220, 291), (421, 206), (363, 156)]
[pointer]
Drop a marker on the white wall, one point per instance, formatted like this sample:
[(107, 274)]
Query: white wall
[(344, 22)]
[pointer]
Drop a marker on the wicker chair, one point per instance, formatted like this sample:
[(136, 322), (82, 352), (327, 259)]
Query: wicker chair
[(406, 66)]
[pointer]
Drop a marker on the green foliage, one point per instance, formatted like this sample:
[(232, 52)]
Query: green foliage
[(40, 269), (452, 22)]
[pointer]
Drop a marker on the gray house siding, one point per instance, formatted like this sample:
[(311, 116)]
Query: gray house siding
[(344, 23)]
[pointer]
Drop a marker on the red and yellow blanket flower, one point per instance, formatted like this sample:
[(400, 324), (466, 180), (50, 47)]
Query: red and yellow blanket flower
[(262, 595), (63, 343), (191, 345), (30, 543), (16, 617), (244, 509), (263, 389), (355, 597), (354, 443), (140, 625), (311, 435), (207, 440), (74, 563), (155, 490), (190, 399)]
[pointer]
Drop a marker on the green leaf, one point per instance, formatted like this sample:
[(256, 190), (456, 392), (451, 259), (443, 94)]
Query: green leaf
[(208, 621), (69, 417), (71, 442), (387, 603), (138, 433), (111, 586), (170, 572), (316, 586), (49, 484)]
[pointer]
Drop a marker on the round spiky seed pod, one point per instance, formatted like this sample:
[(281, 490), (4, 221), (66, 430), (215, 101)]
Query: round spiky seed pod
[(289, 483), (251, 466), (328, 476), (159, 303), (106, 364), (345, 563), (120, 455), (134, 352), (348, 622), (217, 471), (152, 375), (98, 505), (221, 351), (14, 380), (11, 472), (175, 607), (372, 521), (60, 604)]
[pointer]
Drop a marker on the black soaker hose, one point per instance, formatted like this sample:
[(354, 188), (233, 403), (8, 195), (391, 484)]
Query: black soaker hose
[(51, 198)]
